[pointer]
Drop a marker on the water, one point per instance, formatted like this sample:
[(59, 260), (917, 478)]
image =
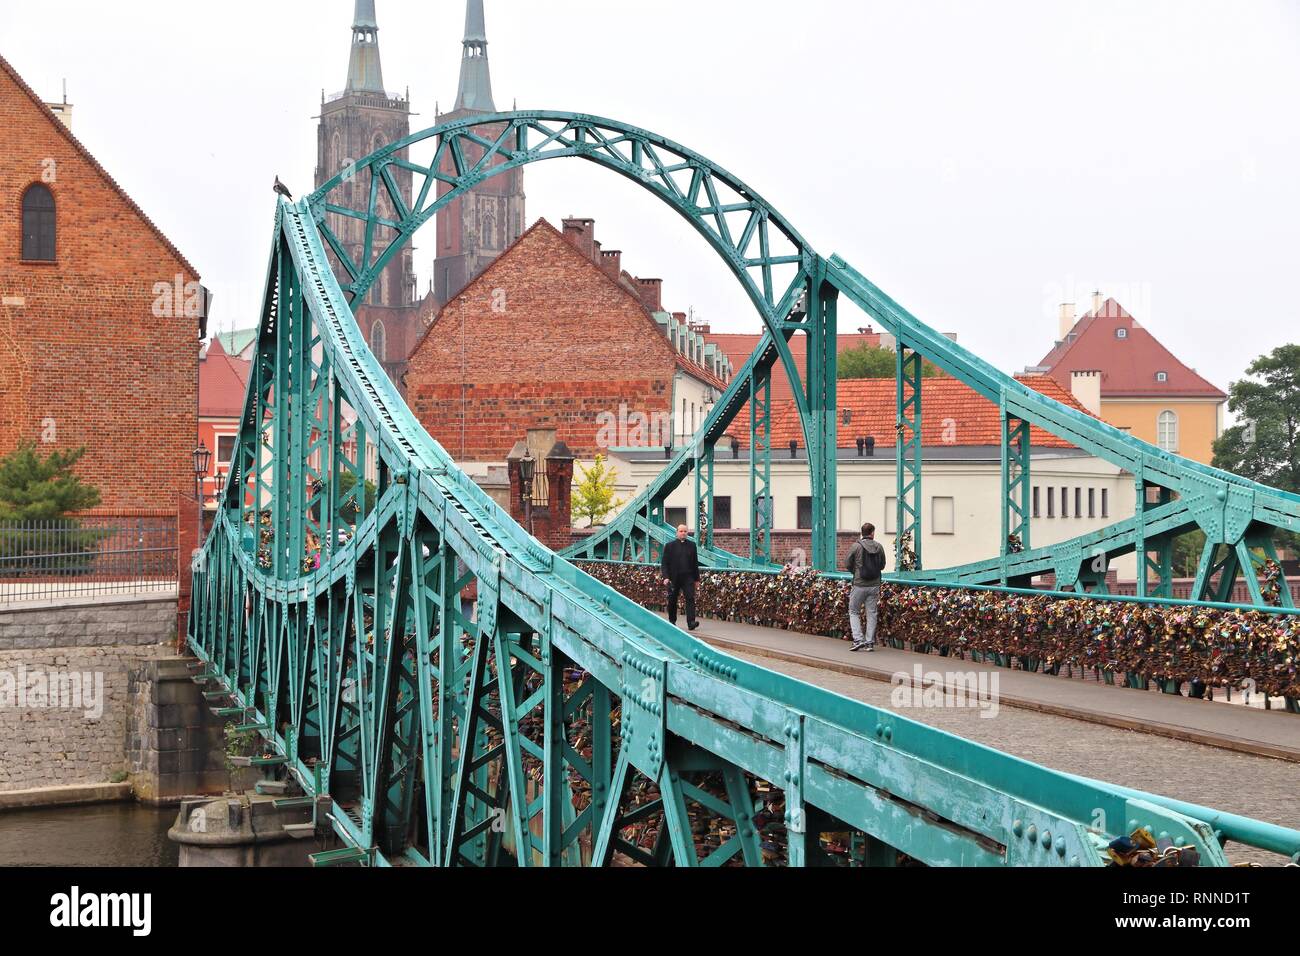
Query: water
[(105, 834)]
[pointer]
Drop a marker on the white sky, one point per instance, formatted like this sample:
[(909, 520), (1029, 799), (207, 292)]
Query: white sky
[(980, 162)]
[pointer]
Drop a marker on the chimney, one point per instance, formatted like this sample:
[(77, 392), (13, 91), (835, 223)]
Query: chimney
[(582, 234), (611, 263), (651, 292), (1085, 386), (1096, 302), (1066, 319)]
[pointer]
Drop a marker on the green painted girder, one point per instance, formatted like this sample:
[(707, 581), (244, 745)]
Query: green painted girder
[(405, 685)]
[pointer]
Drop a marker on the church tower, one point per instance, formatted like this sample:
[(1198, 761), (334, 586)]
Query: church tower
[(353, 124), (476, 227)]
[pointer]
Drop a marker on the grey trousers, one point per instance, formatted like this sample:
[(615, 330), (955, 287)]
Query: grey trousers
[(859, 597)]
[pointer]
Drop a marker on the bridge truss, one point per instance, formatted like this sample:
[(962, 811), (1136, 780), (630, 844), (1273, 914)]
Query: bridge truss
[(464, 696)]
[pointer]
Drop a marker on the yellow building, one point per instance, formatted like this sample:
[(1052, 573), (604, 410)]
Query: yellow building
[(1120, 372)]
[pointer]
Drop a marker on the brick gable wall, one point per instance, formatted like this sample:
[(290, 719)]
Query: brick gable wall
[(543, 339), (80, 344)]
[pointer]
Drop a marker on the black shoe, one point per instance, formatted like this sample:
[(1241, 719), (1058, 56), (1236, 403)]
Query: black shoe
[(856, 647), (692, 625)]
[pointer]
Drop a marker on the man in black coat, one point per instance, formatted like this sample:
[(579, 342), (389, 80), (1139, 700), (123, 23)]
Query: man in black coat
[(681, 569)]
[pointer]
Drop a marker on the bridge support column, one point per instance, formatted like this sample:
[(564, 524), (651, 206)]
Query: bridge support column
[(760, 468), (821, 432), (1015, 487), (907, 543)]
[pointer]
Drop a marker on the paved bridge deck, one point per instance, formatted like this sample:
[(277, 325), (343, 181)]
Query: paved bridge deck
[(1237, 759), (1247, 730)]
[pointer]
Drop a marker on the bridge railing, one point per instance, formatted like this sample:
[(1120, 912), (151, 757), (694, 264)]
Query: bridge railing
[(87, 556)]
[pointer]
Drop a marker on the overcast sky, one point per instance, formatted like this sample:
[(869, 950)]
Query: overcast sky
[(981, 162)]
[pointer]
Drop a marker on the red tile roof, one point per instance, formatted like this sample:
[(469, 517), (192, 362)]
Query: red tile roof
[(1128, 365), (740, 346), (222, 383), (952, 413)]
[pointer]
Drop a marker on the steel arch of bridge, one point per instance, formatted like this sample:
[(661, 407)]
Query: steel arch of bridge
[(541, 722)]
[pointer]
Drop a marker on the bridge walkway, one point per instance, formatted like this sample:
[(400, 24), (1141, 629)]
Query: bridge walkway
[(1204, 752), (1229, 726)]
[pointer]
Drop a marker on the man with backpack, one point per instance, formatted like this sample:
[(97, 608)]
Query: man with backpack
[(865, 562)]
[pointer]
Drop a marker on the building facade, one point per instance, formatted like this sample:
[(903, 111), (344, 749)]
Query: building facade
[(223, 384), (1120, 372), (101, 316), (555, 336), (353, 124), (470, 232), (1073, 492), (475, 228)]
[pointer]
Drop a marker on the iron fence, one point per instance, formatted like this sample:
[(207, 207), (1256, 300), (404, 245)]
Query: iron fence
[(87, 557)]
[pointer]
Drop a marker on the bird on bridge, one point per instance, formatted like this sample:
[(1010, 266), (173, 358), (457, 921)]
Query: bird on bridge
[(282, 189)]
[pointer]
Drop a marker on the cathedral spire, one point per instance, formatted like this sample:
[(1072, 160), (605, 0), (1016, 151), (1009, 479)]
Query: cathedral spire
[(364, 72), (475, 91)]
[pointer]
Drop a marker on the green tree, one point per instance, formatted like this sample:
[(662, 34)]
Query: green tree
[(870, 361), (1265, 445), (33, 488), (36, 496), (593, 494)]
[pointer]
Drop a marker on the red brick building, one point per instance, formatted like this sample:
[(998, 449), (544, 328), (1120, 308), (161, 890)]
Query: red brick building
[(100, 316), (556, 336)]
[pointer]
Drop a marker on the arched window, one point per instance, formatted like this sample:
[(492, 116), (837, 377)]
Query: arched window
[(379, 341), (1167, 431), (38, 223)]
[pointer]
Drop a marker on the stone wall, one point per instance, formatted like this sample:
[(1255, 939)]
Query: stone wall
[(76, 729)]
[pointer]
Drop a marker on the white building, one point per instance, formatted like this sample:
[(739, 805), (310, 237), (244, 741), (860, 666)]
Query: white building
[(1072, 493)]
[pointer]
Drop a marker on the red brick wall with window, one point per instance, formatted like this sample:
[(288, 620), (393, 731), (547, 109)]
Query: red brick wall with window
[(81, 347)]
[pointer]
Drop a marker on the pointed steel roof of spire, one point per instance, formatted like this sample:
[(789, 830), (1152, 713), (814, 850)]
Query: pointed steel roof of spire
[(475, 91), (364, 70)]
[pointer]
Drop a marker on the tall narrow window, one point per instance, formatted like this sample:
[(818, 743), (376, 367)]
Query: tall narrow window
[(379, 341), (1065, 502), (1051, 501), (38, 223), (1105, 503), (1036, 511), (1078, 502), (803, 508), (943, 516), (1092, 502), (1167, 431)]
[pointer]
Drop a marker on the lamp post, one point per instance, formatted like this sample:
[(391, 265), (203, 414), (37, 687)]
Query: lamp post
[(527, 464), (202, 459)]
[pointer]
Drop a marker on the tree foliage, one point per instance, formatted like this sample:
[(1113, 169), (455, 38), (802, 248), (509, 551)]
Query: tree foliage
[(33, 488), (1265, 444), (593, 494), (870, 361)]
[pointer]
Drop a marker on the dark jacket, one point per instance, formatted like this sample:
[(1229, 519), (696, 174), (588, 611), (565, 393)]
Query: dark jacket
[(866, 560), (681, 561)]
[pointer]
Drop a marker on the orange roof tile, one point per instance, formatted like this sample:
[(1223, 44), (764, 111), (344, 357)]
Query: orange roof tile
[(952, 413)]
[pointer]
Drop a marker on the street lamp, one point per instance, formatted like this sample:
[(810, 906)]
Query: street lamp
[(202, 459), (527, 464)]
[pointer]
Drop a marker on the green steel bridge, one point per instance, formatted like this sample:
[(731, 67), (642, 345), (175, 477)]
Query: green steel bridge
[(537, 729)]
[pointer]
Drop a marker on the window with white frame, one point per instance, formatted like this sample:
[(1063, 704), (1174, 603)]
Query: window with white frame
[(225, 450), (850, 513), (943, 516), (1167, 430)]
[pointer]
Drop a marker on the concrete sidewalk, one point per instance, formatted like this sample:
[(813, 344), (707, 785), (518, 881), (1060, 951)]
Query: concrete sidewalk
[(1231, 727)]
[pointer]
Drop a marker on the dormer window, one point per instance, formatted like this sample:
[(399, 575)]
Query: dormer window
[(1162, 376), (1121, 333)]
